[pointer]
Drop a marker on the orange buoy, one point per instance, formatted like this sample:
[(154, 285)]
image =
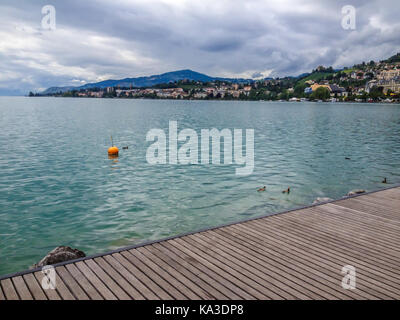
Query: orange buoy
[(113, 151)]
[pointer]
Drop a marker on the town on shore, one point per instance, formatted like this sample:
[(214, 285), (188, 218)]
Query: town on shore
[(365, 82)]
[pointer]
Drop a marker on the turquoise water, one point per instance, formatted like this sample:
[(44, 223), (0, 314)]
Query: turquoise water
[(58, 186)]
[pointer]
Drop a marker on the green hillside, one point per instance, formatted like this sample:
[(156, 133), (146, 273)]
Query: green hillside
[(395, 58), (316, 76)]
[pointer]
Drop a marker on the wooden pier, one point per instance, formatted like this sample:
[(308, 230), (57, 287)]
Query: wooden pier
[(293, 255)]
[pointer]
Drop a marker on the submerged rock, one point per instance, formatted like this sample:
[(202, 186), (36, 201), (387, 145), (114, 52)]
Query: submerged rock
[(60, 254), (320, 200), (354, 192)]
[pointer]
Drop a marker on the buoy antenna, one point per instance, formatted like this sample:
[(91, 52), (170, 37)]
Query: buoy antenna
[(113, 151)]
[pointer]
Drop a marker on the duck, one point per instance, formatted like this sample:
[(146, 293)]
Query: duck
[(125, 148), (384, 180), (347, 158), (262, 189), (286, 191)]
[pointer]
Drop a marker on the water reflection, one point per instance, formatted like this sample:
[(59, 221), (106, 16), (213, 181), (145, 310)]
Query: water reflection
[(114, 161)]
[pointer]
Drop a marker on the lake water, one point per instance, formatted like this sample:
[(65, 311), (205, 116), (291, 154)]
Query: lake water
[(58, 186)]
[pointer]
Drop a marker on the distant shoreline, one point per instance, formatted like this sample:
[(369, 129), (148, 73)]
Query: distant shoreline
[(225, 100)]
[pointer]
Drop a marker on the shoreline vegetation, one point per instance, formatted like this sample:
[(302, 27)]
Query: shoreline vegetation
[(365, 82), (381, 101)]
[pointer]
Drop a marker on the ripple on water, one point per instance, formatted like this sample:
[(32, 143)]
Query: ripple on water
[(58, 186)]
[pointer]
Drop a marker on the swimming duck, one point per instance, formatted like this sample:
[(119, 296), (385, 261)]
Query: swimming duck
[(125, 148), (262, 189), (286, 191), (384, 180)]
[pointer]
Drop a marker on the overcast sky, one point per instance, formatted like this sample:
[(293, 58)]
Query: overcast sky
[(102, 39)]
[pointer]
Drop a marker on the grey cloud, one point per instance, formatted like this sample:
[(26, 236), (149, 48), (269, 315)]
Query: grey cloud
[(257, 75), (100, 39), (222, 45)]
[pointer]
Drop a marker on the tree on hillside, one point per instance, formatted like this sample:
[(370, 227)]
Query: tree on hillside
[(376, 92), (321, 93), (299, 90), (284, 95), (395, 58)]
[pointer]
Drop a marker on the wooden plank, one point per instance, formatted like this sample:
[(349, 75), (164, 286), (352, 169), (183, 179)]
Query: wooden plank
[(167, 287), (246, 284), (379, 199), (355, 230), (258, 272), (299, 258), (333, 243), (34, 287), (384, 197), (184, 291), (381, 237), (363, 218), (325, 232), (217, 290), (291, 279), (393, 193), (2, 296), (331, 237), (220, 283), (144, 278), (365, 209), (313, 281), (52, 294), (342, 220), (9, 290), (356, 204), (118, 278), (81, 282), (188, 271), (194, 291), (325, 249), (393, 226), (63, 290), (72, 284), (336, 223), (131, 277), (21, 288), (95, 281), (110, 283), (316, 255), (387, 197), (388, 207)]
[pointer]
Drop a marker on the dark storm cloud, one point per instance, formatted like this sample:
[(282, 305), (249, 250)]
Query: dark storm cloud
[(96, 40)]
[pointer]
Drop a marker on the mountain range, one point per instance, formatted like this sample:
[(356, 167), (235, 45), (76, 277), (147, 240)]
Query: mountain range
[(148, 81), (140, 82)]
